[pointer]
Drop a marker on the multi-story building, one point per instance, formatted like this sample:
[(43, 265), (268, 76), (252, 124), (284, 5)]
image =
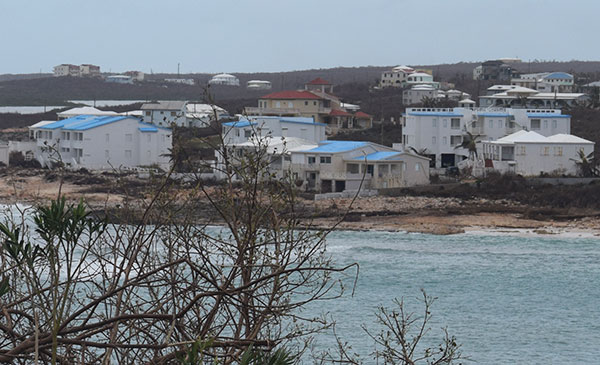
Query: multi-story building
[(547, 82), (315, 101), (165, 113), (439, 132), (66, 70), (101, 143), (395, 77), (85, 70), (336, 166), (524, 97), (495, 70), (529, 153), (224, 79)]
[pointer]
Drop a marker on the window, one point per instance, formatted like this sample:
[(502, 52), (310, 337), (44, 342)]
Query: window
[(434, 122), (491, 123), (500, 124), (278, 104), (306, 103), (325, 159), (417, 166), (314, 103), (433, 140), (128, 137), (455, 140), (311, 159), (247, 133), (352, 168), (545, 124), (445, 140), (535, 124), (290, 104), (237, 132), (554, 123), (558, 151), (455, 123), (445, 123), (545, 151), (522, 150), (148, 113), (172, 114)]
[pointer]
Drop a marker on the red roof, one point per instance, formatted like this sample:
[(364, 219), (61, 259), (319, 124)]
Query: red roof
[(362, 115), (339, 113), (291, 95), (319, 81)]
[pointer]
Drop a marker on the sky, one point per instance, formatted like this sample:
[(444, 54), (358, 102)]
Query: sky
[(285, 35)]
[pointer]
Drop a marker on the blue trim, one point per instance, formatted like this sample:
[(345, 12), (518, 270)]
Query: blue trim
[(337, 146), (498, 115), (240, 124), (544, 115), (84, 122), (150, 125), (311, 123), (437, 114)]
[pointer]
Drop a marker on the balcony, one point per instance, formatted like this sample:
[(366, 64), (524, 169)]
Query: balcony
[(271, 111)]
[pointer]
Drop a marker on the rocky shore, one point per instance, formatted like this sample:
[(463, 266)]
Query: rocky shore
[(435, 215)]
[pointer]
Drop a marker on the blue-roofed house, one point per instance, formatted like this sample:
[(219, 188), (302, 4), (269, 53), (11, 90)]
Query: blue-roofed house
[(101, 143), (336, 166)]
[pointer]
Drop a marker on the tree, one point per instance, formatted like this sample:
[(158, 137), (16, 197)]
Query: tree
[(586, 165), (146, 289), (470, 143)]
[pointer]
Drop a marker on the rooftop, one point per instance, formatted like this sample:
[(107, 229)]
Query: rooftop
[(559, 75), (165, 105), (337, 146), (291, 94), (378, 156), (318, 81), (84, 122)]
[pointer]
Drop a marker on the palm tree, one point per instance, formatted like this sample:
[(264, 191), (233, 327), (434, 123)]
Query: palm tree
[(470, 143), (585, 164)]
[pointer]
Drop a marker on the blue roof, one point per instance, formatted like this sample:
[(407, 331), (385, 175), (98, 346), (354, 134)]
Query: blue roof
[(438, 114), (84, 122), (239, 124), (337, 146), (380, 155), (301, 120), (148, 127), (547, 115), (559, 75)]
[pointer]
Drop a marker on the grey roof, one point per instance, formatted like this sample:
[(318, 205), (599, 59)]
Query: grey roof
[(165, 105)]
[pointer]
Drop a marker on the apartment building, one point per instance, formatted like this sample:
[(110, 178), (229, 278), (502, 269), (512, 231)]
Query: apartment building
[(101, 143), (439, 133)]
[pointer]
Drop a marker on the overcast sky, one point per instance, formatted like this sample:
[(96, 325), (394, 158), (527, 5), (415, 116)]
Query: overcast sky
[(282, 35)]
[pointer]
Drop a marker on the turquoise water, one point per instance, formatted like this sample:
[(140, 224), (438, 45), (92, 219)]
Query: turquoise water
[(507, 299)]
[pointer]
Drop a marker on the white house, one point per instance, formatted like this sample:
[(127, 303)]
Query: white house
[(439, 132), (548, 82), (421, 78), (200, 115), (165, 113), (224, 79), (529, 153), (395, 77), (258, 85), (119, 79), (101, 143), (336, 166), (520, 96)]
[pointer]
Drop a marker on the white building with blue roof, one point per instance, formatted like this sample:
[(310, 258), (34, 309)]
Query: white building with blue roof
[(439, 132), (298, 127), (337, 166), (101, 143)]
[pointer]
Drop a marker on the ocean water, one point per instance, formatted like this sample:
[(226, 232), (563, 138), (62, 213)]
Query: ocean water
[(507, 299)]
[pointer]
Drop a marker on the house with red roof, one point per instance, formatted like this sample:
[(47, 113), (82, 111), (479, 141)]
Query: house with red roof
[(315, 101)]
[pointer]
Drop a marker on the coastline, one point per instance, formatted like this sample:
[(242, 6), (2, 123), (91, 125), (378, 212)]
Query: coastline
[(413, 214)]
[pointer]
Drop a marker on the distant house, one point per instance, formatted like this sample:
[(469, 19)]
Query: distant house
[(336, 166), (165, 113), (135, 75), (494, 70), (315, 101), (224, 79), (85, 70), (201, 115), (119, 79), (84, 110), (395, 77), (101, 143), (530, 154), (189, 82), (519, 96), (258, 85), (547, 82)]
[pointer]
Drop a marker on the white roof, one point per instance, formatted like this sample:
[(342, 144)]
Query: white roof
[(523, 136), (403, 68), (259, 82), (204, 108), (422, 87), (133, 113), (501, 87), (280, 144), (558, 96), (467, 101), (224, 76), (521, 90), (42, 123), (85, 110), (567, 138), (420, 74)]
